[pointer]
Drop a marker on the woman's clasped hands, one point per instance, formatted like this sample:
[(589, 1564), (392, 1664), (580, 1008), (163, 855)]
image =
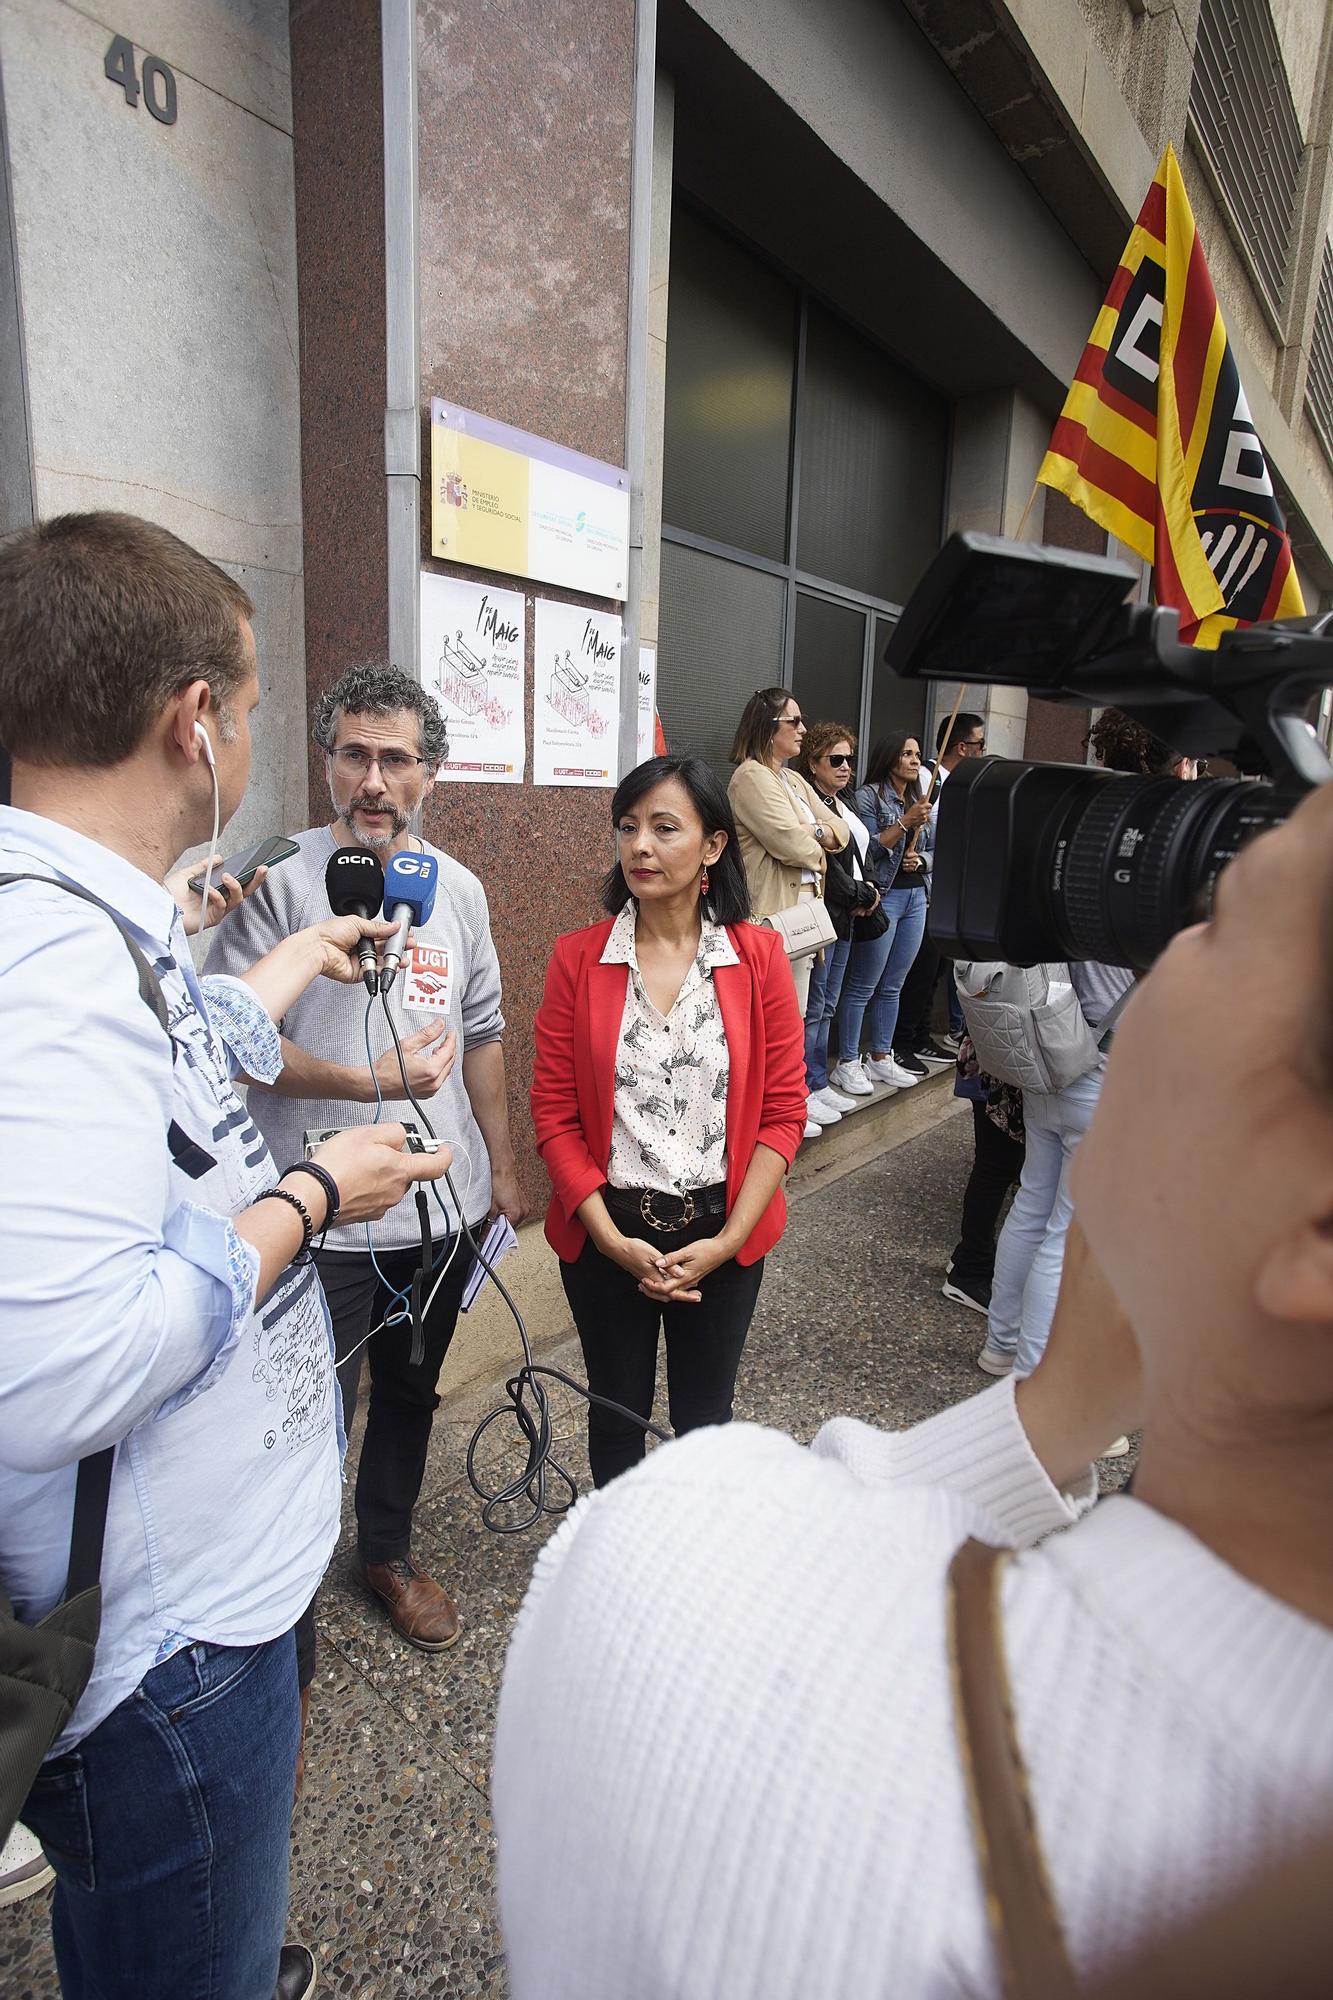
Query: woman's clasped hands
[(673, 1276)]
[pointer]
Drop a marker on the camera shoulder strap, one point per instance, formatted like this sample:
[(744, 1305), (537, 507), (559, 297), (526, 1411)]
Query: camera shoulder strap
[(1025, 1924)]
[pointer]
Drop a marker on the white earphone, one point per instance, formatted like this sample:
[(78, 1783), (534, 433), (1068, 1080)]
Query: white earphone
[(205, 743)]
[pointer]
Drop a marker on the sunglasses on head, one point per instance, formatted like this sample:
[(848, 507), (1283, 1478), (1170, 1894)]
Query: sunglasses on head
[(841, 762)]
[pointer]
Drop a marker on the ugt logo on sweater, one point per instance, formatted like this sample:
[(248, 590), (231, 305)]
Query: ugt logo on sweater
[(429, 975)]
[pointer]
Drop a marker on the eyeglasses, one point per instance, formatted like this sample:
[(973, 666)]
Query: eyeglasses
[(350, 757), (841, 762), (793, 721), (973, 743)]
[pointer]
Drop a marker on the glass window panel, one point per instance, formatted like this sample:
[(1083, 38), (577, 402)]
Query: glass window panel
[(719, 638), (873, 447), (731, 366), (894, 703), (826, 668)]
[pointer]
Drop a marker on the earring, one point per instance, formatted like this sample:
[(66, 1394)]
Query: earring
[(703, 886)]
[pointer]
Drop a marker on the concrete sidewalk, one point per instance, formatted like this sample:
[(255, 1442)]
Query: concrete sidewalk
[(392, 1842)]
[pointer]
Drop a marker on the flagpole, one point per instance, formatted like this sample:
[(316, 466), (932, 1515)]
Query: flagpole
[(1026, 511), (937, 775), (935, 779)]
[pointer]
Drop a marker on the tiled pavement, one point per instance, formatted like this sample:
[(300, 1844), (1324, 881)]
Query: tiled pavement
[(392, 1842)]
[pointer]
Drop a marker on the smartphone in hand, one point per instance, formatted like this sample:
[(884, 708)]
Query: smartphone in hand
[(244, 867)]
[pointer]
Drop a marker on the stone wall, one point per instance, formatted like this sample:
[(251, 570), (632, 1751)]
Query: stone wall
[(157, 269)]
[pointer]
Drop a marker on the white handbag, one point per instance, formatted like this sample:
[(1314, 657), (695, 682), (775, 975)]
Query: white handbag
[(805, 928)]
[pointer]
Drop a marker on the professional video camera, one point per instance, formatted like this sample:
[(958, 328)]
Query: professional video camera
[(1059, 861)]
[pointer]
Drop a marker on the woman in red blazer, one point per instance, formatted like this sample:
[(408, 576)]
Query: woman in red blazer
[(669, 1100)]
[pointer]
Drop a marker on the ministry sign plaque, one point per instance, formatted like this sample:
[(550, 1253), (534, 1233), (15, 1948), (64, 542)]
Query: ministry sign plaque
[(504, 500)]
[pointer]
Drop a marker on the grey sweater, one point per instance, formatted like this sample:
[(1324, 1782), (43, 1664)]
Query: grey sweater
[(329, 1021)]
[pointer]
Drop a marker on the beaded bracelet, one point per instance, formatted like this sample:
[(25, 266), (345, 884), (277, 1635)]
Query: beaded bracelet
[(307, 1220), (326, 1181)]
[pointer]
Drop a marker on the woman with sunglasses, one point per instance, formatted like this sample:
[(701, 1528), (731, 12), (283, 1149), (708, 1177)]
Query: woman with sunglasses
[(786, 831), (893, 810), (826, 760)]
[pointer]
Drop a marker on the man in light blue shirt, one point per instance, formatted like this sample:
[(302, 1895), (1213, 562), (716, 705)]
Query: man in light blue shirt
[(154, 1292)]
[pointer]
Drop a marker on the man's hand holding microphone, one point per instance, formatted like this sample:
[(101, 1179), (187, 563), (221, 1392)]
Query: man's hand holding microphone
[(363, 1172), (356, 942)]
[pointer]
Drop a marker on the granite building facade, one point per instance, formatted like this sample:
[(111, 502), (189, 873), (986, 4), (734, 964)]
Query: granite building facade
[(816, 276)]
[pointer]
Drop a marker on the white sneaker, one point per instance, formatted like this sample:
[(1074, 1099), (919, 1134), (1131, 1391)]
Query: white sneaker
[(851, 1077), (812, 1131), (819, 1113), (1118, 1448), (994, 1360), (885, 1070), (24, 1869), (835, 1099)]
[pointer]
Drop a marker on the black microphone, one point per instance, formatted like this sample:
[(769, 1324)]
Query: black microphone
[(355, 884)]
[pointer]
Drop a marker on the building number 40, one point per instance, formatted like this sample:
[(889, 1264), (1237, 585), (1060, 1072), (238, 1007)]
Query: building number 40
[(158, 85)]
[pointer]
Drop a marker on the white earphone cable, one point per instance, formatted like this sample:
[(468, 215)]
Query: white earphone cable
[(213, 842)]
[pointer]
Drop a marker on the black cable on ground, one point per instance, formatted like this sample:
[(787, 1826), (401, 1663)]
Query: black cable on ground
[(526, 1398)]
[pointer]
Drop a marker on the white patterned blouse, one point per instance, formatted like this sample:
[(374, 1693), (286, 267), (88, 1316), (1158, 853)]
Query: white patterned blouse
[(669, 1119)]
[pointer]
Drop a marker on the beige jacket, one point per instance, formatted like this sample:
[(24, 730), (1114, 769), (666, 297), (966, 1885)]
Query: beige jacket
[(776, 841)]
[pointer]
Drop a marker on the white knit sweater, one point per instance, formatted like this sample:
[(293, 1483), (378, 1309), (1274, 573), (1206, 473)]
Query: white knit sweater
[(726, 1764)]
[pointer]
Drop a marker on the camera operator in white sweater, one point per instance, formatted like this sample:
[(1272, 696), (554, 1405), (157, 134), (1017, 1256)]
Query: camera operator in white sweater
[(727, 1762)]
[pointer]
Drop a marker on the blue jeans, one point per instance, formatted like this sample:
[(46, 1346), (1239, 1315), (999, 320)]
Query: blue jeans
[(168, 1828), (825, 986), (1030, 1255), (875, 974)]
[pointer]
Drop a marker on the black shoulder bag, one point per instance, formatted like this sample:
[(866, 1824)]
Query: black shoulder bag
[(44, 1668)]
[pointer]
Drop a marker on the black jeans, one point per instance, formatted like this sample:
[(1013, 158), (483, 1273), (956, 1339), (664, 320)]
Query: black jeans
[(403, 1399), (996, 1166), (618, 1328), (916, 1004)]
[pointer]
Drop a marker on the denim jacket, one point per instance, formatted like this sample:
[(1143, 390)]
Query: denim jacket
[(879, 807)]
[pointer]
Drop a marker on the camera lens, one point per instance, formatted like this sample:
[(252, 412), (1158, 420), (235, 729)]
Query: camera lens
[(1133, 860), (1055, 861)]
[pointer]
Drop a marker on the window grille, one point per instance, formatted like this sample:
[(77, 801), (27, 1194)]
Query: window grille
[(1242, 112), (1319, 380)]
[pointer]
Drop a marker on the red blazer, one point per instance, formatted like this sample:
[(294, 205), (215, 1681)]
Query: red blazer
[(577, 1029)]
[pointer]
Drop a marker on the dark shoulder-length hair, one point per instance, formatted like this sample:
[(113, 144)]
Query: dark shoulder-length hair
[(728, 891), (759, 718), (879, 770)]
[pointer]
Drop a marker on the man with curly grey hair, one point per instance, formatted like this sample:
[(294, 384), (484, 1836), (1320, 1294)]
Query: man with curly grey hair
[(383, 740), (374, 808)]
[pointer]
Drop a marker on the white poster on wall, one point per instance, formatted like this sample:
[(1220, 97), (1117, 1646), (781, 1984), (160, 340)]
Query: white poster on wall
[(575, 695), (472, 651), (647, 701)]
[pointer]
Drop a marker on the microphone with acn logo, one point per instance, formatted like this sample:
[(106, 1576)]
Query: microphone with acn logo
[(355, 883), (409, 897)]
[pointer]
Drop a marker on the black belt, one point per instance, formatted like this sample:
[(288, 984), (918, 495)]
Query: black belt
[(668, 1214)]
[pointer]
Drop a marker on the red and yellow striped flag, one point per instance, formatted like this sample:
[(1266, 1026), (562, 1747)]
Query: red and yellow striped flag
[(1156, 441)]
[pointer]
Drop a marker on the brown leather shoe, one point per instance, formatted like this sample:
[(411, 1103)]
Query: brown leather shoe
[(421, 1609)]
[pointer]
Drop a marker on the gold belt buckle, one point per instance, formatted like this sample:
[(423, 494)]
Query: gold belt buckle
[(666, 1228)]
